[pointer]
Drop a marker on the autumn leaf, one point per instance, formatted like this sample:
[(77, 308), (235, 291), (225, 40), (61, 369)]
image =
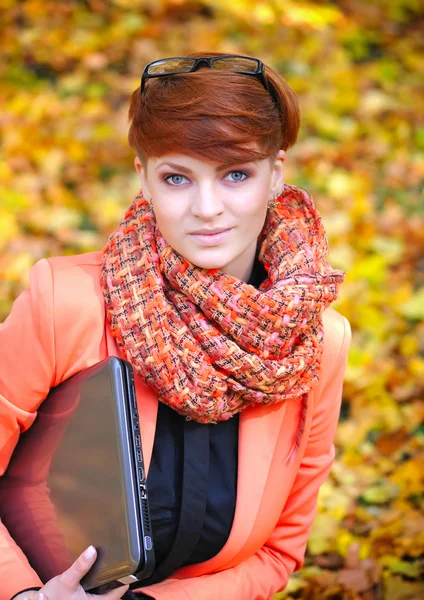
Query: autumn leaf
[(67, 177)]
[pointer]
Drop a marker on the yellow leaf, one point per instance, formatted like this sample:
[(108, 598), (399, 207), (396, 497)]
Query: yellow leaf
[(8, 228), (380, 493), (401, 567), (343, 541), (409, 476), (408, 345), (264, 14)]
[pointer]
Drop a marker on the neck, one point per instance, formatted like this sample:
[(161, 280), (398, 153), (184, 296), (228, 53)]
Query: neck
[(242, 266)]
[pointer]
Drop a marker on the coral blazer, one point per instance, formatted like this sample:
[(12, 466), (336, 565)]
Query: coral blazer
[(57, 327)]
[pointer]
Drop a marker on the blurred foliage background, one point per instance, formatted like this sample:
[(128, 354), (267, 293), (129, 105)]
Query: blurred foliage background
[(66, 177)]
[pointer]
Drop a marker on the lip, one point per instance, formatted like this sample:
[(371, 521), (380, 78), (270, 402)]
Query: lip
[(205, 231), (212, 239)]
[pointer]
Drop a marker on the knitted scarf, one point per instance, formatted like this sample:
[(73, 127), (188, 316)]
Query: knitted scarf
[(207, 343)]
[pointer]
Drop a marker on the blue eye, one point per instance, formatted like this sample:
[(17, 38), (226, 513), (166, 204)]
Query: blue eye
[(245, 175), (175, 180), (175, 184)]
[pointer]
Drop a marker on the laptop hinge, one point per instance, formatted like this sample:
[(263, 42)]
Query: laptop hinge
[(129, 579)]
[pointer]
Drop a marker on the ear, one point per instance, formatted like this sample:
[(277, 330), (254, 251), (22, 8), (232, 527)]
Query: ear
[(277, 175), (142, 176)]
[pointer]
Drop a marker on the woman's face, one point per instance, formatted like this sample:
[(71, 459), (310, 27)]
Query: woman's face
[(189, 195)]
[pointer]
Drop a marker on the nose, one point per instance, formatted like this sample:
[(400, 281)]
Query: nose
[(207, 204)]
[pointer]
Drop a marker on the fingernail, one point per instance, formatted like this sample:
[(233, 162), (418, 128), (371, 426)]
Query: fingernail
[(90, 552), (40, 596)]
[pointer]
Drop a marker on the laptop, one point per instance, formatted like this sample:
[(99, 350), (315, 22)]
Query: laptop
[(77, 478)]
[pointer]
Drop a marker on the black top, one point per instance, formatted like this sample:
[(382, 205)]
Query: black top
[(192, 484)]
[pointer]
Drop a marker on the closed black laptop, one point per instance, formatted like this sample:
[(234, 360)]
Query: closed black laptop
[(77, 478)]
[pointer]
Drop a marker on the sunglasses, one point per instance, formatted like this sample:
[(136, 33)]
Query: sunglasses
[(245, 65)]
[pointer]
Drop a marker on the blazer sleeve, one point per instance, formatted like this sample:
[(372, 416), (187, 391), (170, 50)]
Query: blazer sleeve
[(27, 372), (268, 571)]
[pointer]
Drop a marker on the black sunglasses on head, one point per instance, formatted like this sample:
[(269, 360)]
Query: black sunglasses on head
[(245, 65)]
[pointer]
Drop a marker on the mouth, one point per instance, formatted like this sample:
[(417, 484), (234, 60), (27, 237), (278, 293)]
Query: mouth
[(212, 239)]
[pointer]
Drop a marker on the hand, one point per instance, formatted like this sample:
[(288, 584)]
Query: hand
[(67, 585)]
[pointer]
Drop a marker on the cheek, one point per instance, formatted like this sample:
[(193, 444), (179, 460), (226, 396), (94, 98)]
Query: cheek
[(254, 220), (251, 210), (170, 221)]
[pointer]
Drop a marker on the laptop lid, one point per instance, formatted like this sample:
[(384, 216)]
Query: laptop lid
[(77, 478)]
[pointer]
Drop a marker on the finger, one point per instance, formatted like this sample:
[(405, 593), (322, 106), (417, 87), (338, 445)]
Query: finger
[(115, 594), (72, 576)]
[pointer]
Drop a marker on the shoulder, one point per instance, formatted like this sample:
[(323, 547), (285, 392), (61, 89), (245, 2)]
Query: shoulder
[(76, 283), (71, 287), (78, 262), (71, 278), (337, 340), (336, 328), (77, 309), (76, 275)]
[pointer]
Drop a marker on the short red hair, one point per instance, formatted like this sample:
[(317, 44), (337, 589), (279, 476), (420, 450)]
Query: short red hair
[(223, 117)]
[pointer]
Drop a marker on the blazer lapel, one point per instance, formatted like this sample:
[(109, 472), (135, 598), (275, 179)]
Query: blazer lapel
[(147, 404), (258, 435), (259, 429)]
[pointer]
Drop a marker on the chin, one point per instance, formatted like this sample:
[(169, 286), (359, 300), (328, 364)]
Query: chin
[(207, 262)]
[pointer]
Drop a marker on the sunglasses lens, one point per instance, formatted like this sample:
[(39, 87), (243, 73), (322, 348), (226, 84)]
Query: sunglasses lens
[(246, 65), (172, 65)]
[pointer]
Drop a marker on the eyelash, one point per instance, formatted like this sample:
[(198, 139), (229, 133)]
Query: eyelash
[(166, 177)]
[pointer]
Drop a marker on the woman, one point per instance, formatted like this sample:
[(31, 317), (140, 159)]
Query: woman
[(216, 288)]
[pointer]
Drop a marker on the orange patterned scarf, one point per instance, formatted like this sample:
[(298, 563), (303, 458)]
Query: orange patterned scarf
[(207, 343)]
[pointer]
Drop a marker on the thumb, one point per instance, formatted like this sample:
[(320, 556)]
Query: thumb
[(72, 576)]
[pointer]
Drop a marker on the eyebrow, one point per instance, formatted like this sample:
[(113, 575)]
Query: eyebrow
[(188, 171)]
